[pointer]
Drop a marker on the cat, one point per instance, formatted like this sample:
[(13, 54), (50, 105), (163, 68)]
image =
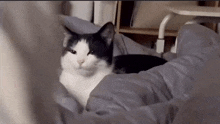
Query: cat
[(88, 58)]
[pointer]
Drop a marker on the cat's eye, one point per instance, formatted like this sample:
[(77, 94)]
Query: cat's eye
[(73, 51), (90, 52)]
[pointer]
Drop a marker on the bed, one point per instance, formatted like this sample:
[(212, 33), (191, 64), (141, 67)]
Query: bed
[(163, 94), (184, 90)]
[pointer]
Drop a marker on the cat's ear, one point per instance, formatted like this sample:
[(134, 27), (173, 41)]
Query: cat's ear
[(68, 34), (107, 32)]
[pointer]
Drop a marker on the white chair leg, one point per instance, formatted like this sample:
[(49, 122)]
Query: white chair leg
[(160, 45), (160, 41)]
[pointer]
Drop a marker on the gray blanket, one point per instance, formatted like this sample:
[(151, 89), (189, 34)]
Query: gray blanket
[(165, 94), (184, 90)]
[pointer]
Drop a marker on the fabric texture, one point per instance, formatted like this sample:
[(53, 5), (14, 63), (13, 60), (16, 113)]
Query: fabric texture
[(184, 90), (156, 95), (30, 50)]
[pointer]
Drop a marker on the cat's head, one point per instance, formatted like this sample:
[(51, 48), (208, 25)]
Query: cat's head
[(88, 52)]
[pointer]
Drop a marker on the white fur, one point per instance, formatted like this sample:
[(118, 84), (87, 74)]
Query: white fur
[(78, 79)]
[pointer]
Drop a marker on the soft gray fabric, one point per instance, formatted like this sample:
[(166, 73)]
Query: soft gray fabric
[(30, 51), (185, 90), (156, 95), (159, 85)]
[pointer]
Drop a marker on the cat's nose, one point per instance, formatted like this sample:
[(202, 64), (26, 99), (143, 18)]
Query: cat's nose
[(81, 61)]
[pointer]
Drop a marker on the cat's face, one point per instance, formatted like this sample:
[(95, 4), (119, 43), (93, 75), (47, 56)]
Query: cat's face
[(85, 53)]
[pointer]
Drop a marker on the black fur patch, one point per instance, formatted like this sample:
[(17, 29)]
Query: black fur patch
[(136, 63)]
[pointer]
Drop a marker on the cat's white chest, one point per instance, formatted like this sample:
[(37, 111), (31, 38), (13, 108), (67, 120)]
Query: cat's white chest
[(81, 86)]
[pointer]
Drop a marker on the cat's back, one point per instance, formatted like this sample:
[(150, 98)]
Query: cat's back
[(135, 63)]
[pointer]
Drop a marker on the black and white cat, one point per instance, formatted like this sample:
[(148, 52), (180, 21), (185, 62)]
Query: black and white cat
[(88, 58)]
